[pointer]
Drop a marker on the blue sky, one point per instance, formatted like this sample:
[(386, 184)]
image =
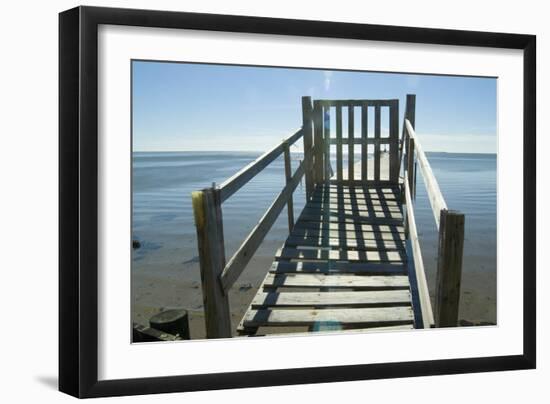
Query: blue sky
[(182, 106)]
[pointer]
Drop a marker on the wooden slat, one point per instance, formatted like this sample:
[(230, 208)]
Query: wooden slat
[(336, 281), (377, 146), (354, 214), (364, 137), (288, 179), (423, 291), (356, 243), (359, 197), (341, 330), (394, 145), (358, 298), (258, 318), (356, 204), (410, 166), (336, 218), (307, 128), (373, 268), (340, 255), (355, 102), (352, 227), (432, 187), (358, 188), (326, 136), (318, 144), (351, 207), (348, 235), (233, 184), (410, 115), (339, 156), (351, 135), (240, 259), (381, 141)]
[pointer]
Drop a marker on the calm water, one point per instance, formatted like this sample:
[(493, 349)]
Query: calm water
[(163, 217)]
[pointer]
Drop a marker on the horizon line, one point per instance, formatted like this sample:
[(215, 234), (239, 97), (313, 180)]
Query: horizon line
[(260, 151)]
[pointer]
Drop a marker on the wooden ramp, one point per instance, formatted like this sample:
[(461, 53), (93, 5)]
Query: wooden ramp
[(352, 260), (343, 266)]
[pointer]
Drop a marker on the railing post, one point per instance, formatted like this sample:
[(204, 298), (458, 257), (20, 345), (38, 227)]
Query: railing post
[(208, 221), (288, 176), (307, 126), (410, 165), (318, 145), (449, 268), (410, 112)]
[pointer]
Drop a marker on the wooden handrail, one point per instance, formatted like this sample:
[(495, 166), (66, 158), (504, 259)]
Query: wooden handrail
[(422, 284), (240, 259), (435, 196), (237, 181), (450, 225)]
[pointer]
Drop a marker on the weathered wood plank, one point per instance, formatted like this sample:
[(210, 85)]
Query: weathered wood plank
[(351, 135), (410, 115), (358, 199), (410, 167), (420, 274), (336, 281), (357, 103), (362, 214), (348, 235), (209, 225), (350, 227), (394, 144), (449, 268), (381, 141), (339, 154), (343, 243), (326, 136), (234, 183), (288, 179), (242, 257), (435, 196), (307, 128), (358, 189), (356, 204), (357, 298), (258, 318), (341, 330), (340, 255), (364, 138), (351, 208), (318, 144), (355, 219), (377, 145), (372, 268)]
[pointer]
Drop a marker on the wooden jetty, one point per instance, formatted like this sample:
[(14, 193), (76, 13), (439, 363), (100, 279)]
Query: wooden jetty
[(352, 259)]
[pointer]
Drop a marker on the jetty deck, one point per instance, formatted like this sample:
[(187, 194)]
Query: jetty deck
[(352, 259), (343, 266)]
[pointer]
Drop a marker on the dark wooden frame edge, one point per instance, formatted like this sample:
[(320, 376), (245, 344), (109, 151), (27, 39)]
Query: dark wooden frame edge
[(78, 153)]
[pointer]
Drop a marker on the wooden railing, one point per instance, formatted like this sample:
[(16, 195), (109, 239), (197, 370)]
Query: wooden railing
[(450, 225), (217, 276), (345, 140)]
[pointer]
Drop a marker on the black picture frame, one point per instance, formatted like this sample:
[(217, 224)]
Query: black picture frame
[(78, 200)]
